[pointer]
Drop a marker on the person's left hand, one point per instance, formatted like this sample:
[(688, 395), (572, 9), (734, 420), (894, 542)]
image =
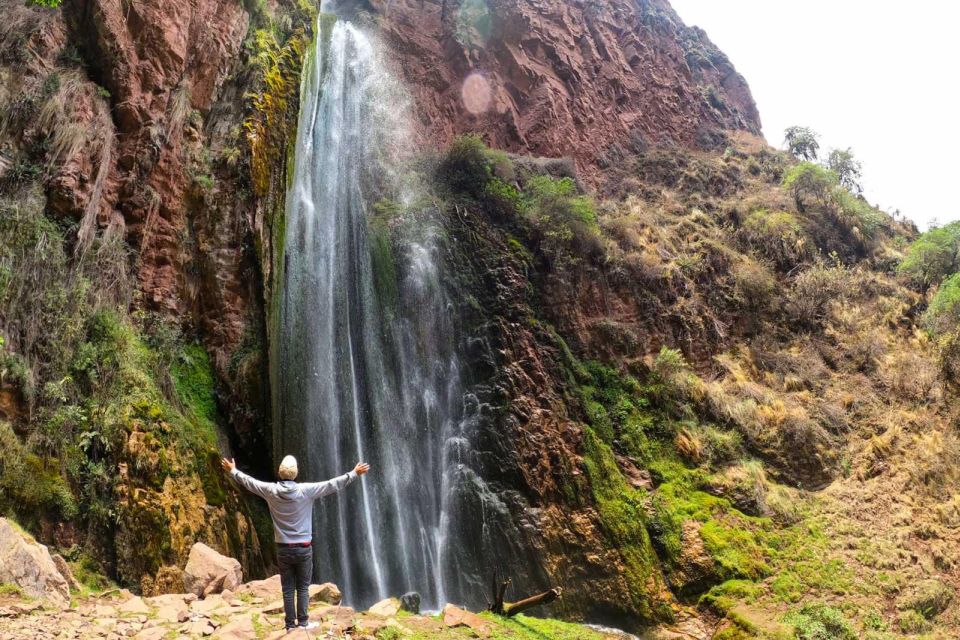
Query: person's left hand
[(228, 465), (361, 468)]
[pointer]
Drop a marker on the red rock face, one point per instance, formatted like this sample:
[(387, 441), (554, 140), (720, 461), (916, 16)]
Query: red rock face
[(160, 62), (594, 81)]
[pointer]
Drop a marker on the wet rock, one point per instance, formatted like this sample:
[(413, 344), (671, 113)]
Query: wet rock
[(208, 571), (410, 602), (695, 570), (28, 565)]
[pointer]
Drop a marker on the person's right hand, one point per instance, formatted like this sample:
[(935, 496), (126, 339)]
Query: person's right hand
[(361, 468), (228, 464)]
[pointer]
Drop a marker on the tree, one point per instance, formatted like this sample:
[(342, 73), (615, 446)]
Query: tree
[(848, 169), (933, 256), (802, 143), (809, 182)]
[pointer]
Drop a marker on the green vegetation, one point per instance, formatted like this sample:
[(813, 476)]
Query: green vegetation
[(810, 184), (821, 622), (933, 256), (802, 143), (847, 168), (50, 4)]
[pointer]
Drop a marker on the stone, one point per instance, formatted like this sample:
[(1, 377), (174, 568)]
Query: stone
[(386, 608), (153, 633), (28, 565), (326, 592), (208, 604), (274, 607), (239, 629), (172, 613), (410, 602), (454, 616), (134, 605), (65, 571), (210, 572), (267, 589)]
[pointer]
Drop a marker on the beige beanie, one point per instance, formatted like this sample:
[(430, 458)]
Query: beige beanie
[(288, 468)]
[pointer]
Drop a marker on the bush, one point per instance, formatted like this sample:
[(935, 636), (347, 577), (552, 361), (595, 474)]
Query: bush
[(933, 256), (466, 167), (943, 314), (820, 622), (566, 220), (776, 235), (810, 183), (814, 290)]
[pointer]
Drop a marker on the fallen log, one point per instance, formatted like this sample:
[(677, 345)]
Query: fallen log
[(503, 608)]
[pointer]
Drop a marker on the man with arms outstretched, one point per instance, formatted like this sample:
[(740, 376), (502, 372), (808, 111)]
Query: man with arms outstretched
[(291, 507)]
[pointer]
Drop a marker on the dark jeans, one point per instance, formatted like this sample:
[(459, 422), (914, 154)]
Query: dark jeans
[(296, 571)]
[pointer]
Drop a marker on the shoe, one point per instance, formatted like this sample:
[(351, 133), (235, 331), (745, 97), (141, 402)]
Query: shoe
[(310, 625)]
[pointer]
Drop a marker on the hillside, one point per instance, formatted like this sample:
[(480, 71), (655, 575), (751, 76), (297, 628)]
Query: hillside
[(697, 383)]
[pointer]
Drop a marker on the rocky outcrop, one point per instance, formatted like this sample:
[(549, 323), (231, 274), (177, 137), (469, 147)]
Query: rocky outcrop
[(29, 566), (595, 81), (208, 571)]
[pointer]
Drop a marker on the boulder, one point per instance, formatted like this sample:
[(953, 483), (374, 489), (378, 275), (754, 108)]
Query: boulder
[(386, 608), (210, 572), (454, 616), (326, 592), (65, 571), (410, 602), (28, 565)]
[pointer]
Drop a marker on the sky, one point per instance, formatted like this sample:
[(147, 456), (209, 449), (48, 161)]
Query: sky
[(878, 76)]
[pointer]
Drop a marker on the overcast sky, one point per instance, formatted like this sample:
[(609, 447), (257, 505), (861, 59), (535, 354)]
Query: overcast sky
[(880, 76)]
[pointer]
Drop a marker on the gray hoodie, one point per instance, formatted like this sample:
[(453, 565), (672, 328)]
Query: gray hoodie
[(291, 503)]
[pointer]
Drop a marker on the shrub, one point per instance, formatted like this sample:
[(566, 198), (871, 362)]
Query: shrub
[(821, 622), (802, 143), (933, 256), (567, 221), (855, 213), (466, 168), (943, 314), (776, 235), (810, 183), (813, 291), (754, 285)]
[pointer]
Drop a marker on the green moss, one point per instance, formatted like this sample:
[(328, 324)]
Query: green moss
[(787, 587), (820, 622), (7, 589), (194, 380), (385, 279), (724, 596)]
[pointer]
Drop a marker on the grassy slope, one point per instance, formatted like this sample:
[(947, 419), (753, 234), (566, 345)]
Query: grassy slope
[(808, 451)]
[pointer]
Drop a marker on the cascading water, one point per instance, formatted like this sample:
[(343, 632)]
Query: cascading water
[(365, 365)]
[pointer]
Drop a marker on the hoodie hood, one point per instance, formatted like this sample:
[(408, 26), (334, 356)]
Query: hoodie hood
[(287, 489)]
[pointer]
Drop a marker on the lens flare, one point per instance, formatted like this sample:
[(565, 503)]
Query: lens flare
[(476, 94)]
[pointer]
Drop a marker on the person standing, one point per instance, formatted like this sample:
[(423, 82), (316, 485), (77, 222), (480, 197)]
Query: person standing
[(291, 509)]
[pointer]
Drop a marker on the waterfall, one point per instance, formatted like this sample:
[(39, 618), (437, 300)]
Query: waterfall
[(365, 365)]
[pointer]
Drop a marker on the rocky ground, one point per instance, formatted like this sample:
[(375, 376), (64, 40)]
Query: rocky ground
[(255, 612)]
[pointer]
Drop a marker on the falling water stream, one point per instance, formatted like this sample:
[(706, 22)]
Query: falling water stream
[(366, 365)]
